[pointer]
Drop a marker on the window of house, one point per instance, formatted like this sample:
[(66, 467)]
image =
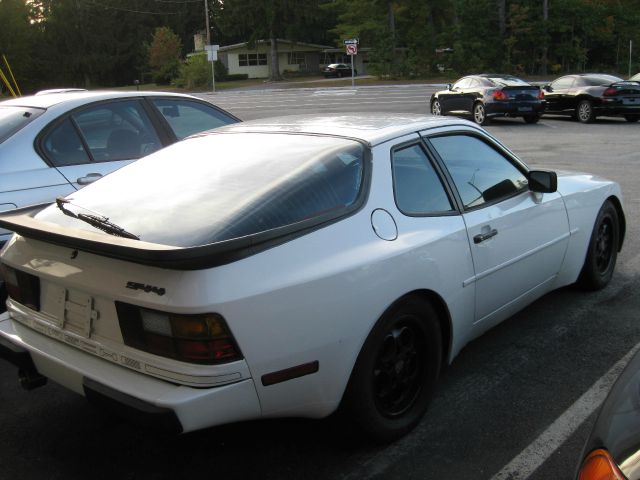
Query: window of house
[(252, 59), (297, 58)]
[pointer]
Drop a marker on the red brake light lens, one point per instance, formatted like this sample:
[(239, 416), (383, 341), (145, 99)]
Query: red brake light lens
[(499, 95), (540, 94), (22, 287), (600, 466), (203, 338), (610, 92)]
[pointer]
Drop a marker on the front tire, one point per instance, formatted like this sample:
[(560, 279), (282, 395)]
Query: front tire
[(584, 111), (480, 114), (603, 249), (396, 371)]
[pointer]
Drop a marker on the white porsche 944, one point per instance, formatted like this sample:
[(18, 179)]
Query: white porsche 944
[(295, 266)]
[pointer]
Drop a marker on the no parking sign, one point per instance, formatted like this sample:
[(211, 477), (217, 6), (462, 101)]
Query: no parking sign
[(352, 49)]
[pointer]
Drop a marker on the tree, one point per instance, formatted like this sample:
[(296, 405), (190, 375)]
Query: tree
[(253, 20), (164, 55)]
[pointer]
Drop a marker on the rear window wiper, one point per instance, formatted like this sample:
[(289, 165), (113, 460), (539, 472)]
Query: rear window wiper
[(98, 221)]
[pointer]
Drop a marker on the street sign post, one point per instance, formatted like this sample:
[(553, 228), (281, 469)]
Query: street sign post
[(351, 45), (212, 56)]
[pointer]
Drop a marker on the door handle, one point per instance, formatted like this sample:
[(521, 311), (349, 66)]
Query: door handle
[(481, 237), (89, 178)]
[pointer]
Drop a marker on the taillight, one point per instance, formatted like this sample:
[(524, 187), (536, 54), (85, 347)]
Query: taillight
[(610, 92), (203, 338), (600, 466), (22, 287), (499, 95), (540, 94)]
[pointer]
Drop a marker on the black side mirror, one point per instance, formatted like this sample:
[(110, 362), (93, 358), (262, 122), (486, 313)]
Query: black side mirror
[(547, 88), (448, 86), (542, 181)]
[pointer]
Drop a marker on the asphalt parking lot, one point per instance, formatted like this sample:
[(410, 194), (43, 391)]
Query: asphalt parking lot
[(516, 403)]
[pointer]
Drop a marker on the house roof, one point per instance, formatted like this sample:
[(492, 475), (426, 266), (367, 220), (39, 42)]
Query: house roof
[(235, 46)]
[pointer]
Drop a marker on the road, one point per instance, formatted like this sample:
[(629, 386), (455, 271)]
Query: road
[(516, 403)]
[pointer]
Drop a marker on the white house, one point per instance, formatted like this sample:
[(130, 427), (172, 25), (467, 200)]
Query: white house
[(256, 61)]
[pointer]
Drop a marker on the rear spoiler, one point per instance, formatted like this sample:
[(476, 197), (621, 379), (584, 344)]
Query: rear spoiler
[(22, 222), (198, 257)]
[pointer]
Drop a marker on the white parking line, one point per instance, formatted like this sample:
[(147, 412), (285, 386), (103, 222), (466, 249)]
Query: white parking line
[(527, 461)]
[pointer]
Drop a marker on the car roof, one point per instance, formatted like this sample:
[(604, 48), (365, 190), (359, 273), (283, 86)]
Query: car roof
[(81, 97), (372, 128)]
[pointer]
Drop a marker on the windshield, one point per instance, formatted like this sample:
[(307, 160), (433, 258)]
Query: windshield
[(13, 119), (224, 186)]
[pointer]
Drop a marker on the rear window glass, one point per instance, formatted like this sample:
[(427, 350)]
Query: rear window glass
[(508, 81), (595, 81), (220, 187), (13, 119)]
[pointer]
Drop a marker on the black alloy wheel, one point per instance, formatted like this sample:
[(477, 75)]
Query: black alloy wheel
[(603, 249), (632, 118), (531, 118), (584, 111), (396, 371), (436, 108), (479, 114)]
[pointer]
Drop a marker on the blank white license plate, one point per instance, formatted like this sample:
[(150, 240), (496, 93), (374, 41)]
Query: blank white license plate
[(524, 109), (631, 101)]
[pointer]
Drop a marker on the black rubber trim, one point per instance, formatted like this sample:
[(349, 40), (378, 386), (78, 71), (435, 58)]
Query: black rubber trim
[(131, 408), (16, 355)]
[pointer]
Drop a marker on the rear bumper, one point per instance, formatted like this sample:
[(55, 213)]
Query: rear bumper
[(514, 109), (136, 396), (616, 108)]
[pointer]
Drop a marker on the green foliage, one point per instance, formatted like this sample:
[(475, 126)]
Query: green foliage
[(237, 76), (164, 55), (195, 72), (66, 43)]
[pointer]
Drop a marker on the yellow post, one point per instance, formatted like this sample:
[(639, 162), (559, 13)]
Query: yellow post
[(11, 73), (6, 82)]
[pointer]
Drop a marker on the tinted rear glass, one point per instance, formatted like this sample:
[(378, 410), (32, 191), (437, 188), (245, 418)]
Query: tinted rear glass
[(219, 187), (509, 82), (13, 119), (596, 80)]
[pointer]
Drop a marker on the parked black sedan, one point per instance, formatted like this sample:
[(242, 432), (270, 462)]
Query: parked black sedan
[(586, 96), (338, 70), (490, 95), (612, 451)]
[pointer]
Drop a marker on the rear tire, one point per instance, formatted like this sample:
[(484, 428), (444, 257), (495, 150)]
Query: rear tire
[(602, 253), (584, 111), (436, 108), (395, 374), (632, 118), (531, 118), (479, 114)]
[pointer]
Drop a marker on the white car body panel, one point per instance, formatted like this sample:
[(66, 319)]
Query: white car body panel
[(313, 298)]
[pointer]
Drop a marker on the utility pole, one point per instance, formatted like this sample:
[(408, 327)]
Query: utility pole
[(206, 18)]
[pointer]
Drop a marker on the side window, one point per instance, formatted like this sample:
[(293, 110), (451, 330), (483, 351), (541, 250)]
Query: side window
[(64, 147), (562, 83), (481, 174), (117, 131), (186, 118), (416, 185), (463, 83)]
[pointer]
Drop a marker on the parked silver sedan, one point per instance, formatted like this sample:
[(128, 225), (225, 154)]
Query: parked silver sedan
[(54, 144)]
